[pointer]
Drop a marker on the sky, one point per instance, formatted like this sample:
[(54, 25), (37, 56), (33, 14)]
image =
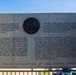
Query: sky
[(37, 6)]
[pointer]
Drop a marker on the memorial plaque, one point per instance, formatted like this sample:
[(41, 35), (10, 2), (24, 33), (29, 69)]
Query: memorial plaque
[(38, 40)]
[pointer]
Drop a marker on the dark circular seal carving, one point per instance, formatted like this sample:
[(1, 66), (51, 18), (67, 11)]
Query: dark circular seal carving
[(31, 25)]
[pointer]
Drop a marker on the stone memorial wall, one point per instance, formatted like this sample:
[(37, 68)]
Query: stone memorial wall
[(38, 40)]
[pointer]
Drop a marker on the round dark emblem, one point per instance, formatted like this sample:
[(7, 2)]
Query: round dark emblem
[(31, 25)]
